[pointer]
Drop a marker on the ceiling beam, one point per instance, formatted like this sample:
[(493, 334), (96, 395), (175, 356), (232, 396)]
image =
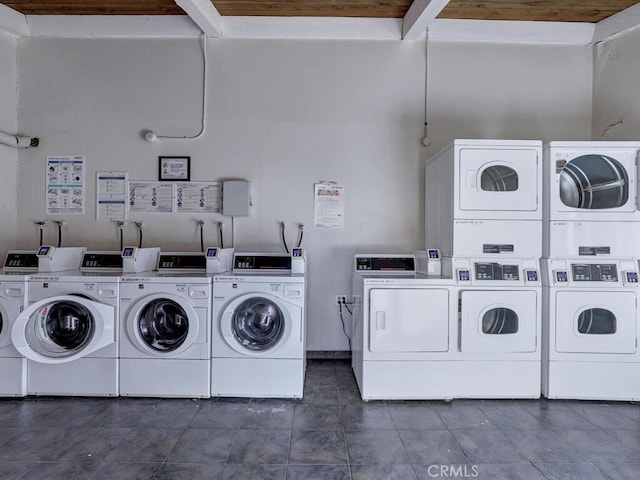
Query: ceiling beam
[(419, 15), (204, 14), (615, 24), (13, 22)]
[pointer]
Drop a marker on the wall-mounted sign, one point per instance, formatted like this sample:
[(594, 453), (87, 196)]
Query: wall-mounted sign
[(65, 184), (174, 169)]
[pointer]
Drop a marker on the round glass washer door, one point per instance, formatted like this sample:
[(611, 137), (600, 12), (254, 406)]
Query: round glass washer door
[(62, 329), (163, 325), (256, 325), (594, 182)]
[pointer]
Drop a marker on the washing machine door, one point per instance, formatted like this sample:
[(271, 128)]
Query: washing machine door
[(258, 324), (163, 325), (498, 321), (594, 182), (495, 179), (63, 329), (596, 322)]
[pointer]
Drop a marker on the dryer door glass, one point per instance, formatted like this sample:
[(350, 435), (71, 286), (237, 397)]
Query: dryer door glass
[(258, 324), (594, 182), (499, 178), (163, 325), (500, 321), (597, 321), (60, 329)]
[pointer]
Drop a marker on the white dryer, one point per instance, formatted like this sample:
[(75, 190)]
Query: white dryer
[(499, 313), (259, 344), (586, 184), (402, 330), (591, 330), (475, 189), (68, 333), (165, 325), (14, 286)]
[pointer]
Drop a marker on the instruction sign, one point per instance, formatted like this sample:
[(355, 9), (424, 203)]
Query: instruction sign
[(65, 188)]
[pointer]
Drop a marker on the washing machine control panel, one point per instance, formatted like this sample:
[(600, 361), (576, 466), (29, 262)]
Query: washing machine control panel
[(21, 259), (385, 263), (594, 272), (497, 271), (631, 277)]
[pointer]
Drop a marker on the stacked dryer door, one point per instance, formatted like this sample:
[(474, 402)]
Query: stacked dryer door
[(402, 330), (476, 189), (499, 306), (68, 335), (591, 190), (592, 330)]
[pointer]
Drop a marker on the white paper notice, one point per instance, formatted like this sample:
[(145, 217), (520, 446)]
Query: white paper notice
[(111, 195), (65, 184), (150, 197), (203, 197), (328, 207)]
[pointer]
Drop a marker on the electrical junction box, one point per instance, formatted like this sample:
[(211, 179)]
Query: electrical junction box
[(235, 198)]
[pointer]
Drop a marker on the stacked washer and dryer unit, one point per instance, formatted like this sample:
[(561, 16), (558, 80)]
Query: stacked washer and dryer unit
[(483, 206), (591, 246)]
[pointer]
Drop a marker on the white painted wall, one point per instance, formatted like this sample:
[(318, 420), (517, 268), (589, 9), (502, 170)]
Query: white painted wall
[(8, 155), (284, 114), (616, 105)]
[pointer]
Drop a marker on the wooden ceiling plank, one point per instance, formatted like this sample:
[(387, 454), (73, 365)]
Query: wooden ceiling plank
[(314, 8), (489, 11)]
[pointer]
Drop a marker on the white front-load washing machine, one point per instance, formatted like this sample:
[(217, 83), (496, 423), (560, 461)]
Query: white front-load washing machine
[(259, 344), (14, 286), (402, 330), (476, 189), (68, 333), (591, 191), (591, 330), (165, 329), (498, 305)]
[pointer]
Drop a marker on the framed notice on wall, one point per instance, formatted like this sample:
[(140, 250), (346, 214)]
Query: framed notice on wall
[(173, 169)]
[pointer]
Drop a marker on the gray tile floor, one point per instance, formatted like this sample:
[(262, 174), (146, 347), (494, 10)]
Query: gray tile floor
[(330, 434)]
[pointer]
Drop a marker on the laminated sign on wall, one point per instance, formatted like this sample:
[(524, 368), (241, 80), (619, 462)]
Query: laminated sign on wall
[(65, 184), (328, 206)]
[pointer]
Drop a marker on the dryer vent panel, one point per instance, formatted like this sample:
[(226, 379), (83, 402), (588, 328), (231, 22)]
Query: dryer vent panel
[(235, 198)]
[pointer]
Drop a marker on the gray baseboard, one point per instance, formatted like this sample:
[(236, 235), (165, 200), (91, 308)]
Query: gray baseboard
[(328, 355)]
